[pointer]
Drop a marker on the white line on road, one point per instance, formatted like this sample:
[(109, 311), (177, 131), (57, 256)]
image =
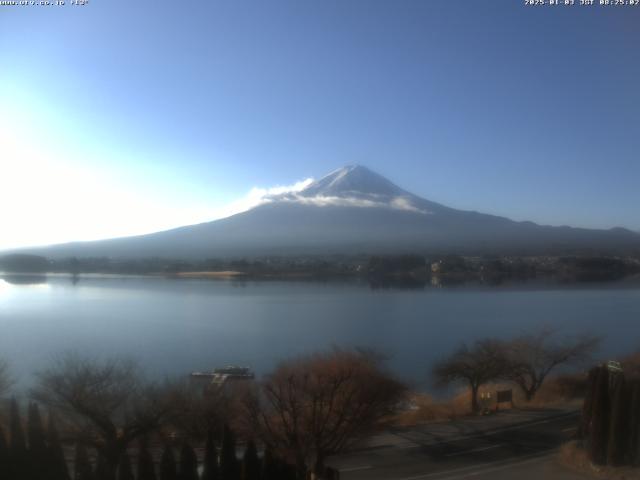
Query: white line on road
[(355, 469), (498, 465), (464, 452), (570, 429)]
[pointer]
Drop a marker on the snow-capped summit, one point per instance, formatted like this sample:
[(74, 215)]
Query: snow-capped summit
[(354, 186), (352, 180)]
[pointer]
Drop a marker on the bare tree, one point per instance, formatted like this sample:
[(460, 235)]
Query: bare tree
[(107, 402), (532, 357), (321, 404), (476, 365)]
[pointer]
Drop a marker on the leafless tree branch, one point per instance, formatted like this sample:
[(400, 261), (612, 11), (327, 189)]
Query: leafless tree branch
[(320, 405)]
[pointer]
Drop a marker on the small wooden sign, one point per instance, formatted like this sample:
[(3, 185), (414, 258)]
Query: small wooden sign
[(504, 396)]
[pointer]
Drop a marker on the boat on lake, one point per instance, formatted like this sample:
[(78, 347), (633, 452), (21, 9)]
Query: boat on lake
[(220, 376)]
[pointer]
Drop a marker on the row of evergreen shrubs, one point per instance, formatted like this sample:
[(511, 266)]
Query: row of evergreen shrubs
[(34, 456), (610, 427), (216, 465), (39, 455)]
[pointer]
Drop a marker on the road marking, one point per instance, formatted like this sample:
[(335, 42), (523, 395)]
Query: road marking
[(355, 469), (472, 451), (498, 465)]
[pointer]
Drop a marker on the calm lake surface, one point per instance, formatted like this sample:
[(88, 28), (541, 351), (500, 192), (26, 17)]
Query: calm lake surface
[(178, 326)]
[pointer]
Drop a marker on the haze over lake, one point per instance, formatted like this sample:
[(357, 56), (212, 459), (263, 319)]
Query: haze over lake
[(178, 326)]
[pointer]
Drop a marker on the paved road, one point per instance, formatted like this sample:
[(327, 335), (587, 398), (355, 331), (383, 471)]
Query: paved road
[(514, 444)]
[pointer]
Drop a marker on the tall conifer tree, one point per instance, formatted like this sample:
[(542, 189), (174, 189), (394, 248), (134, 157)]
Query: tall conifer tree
[(188, 466), (599, 431), (4, 455), (229, 466), (104, 471), (634, 443), (38, 451), (210, 470), (618, 446), (82, 466), (146, 469), (56, 461), (251, 462), (587, 406), (168, 470), (269, 466), (125, 472), (18, 454), (288, 471)]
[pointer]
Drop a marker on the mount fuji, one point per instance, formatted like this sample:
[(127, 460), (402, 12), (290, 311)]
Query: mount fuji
[(353, 210)]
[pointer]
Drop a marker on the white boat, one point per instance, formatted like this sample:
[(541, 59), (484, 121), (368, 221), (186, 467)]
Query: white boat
[(219, 376)]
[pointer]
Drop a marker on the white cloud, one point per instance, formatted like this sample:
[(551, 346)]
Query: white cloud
[(403, 203), (258, 196), (396, 203)]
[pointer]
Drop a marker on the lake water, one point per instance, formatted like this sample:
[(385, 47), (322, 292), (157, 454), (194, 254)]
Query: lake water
[(178, 326)]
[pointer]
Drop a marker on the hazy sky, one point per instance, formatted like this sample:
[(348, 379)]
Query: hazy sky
[(124, 117)]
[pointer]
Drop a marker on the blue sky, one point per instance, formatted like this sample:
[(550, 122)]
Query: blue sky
[(123, 117)]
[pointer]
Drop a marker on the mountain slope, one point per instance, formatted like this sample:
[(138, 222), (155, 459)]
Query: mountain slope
[(354, 210)]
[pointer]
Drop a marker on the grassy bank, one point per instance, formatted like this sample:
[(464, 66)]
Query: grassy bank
[(566, 391)]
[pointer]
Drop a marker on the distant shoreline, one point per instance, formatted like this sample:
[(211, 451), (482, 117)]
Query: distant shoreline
[(205, 274), (407, 270), (376, 283)]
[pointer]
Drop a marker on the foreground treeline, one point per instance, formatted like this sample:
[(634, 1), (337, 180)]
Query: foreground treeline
[(36, 455), (610, 425), (118, 424), (39, 455)]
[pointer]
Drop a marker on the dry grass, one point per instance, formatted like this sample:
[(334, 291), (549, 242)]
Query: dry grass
[(559, 391), (426, 410), (574, 457), (562, 390), (566, 391)]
